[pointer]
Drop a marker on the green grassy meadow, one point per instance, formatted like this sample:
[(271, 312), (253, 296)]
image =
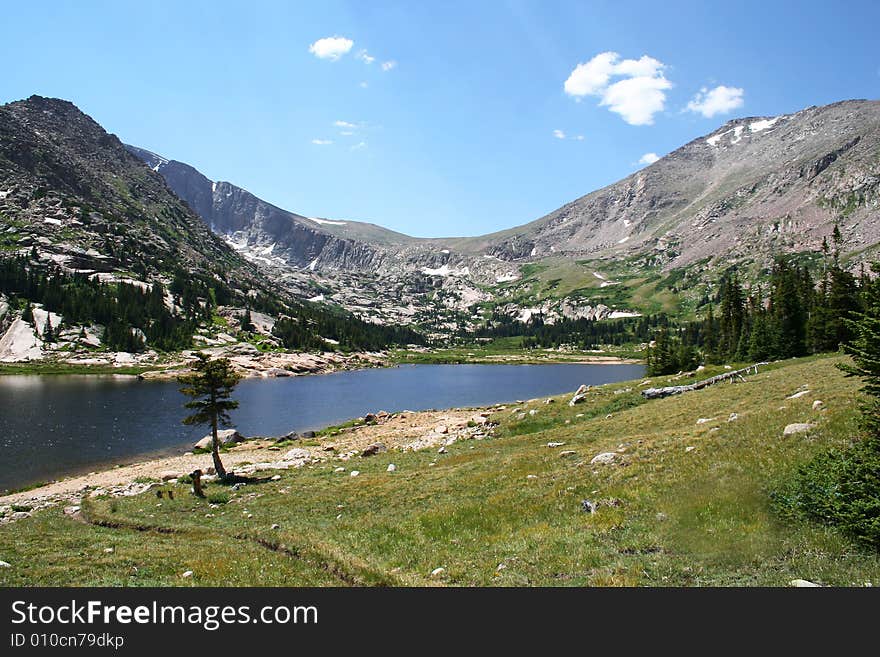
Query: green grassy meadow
[(684, 504)]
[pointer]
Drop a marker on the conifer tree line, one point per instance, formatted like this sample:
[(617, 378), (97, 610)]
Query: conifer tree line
[(135, 318), (791, 315), (580, 333)]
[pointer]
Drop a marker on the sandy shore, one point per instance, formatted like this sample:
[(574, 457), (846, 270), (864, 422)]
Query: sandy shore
[(398, 431)]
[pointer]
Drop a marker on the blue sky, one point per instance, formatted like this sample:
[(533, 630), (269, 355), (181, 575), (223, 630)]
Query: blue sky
[(455, 134)]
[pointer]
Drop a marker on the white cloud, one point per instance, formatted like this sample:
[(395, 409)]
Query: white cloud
[(331, 48), (322, 142), (346, 133), (637, 97), (579, 138), (719, 100), (559, 134), (387, 66), (365, 57), (359, 146), (345, 124), (649, 158), (363, 85)]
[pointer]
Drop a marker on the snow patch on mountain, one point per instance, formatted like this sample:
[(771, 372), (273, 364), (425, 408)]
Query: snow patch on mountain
[(329, 222)]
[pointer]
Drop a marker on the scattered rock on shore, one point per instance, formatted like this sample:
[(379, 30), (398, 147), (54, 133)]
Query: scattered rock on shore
[(375, 448), (226, 437)]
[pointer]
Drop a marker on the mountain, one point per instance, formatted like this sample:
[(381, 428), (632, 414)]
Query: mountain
[(97, 237), (73, 191), (754, 186), (656, 240)]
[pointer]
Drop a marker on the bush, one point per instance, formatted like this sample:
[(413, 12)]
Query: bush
[(219, 497), (840, 488)]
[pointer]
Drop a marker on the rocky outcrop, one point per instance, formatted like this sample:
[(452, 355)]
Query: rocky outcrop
[(20, 343)]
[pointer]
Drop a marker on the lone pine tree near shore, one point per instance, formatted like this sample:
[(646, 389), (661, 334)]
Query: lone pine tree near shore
[(210, 385)]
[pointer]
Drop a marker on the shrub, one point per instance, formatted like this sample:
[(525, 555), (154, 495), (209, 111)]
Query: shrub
[(840, 488), (219, 497)]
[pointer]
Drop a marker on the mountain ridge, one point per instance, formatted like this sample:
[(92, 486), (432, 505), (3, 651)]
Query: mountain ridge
[(701, 157)]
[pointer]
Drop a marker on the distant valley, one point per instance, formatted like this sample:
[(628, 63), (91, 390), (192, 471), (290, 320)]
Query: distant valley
[(656, 241)]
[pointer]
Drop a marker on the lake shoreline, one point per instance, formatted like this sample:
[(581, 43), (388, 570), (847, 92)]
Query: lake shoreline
[(392, 429), (299, 364), (71, 425)]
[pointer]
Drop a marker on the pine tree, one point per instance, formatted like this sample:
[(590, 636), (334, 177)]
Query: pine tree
[(710, 339), (787, 310), (27, 314), (48, 332), (247, 324), (210, 385), (660, 357), (730, 322), (761, 341), (865, 352)]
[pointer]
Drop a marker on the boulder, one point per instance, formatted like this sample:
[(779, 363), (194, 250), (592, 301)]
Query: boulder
[(803, 583), (391, 467), (437, 572), (605, 458), (375, 448), (579, 395), (226, 437), (566, 453), (818, 405), (555, 444), (370, 418), (298, 455), (441, 428), (168, 475), (797, 427), (479, 419)]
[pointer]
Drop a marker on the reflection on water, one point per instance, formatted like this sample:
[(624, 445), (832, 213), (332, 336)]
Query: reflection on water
[(57, 425)]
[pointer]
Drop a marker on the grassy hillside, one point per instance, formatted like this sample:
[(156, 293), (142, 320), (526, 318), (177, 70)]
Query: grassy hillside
[(502, 511)]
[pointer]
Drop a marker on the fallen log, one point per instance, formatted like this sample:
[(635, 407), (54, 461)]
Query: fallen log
[(656, 393)]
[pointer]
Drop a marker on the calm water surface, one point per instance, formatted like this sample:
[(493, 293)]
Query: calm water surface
[(59, 425)]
